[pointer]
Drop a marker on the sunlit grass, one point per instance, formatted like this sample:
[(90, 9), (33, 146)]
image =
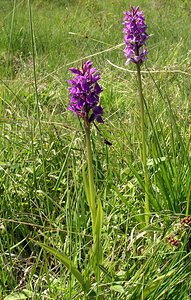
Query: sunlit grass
[(42, 191)]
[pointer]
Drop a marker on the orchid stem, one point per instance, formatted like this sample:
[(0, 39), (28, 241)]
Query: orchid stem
[(144, 151), (90, 176), (95, 209)]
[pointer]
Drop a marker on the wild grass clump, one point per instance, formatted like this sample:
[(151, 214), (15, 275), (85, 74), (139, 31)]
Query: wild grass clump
[(95, 210)]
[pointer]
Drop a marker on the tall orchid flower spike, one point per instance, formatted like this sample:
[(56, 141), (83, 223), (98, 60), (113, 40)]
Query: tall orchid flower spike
[(135, 39), (84, 93), (135, 36)]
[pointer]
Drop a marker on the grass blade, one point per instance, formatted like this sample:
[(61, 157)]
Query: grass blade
[(68, 264)]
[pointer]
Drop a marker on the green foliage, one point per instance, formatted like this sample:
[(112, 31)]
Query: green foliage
[(69, 265), (42, 154)]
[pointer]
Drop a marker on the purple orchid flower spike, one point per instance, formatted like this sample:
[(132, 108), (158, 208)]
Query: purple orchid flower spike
[(84, 93), (135, 36)]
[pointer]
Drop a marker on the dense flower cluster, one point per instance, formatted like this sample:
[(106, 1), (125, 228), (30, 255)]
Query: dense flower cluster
[(135, 35), (173, 241), (186, 221), (84, 93)]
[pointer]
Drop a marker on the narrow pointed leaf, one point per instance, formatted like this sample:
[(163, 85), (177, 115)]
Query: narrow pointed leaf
[(68, 264)]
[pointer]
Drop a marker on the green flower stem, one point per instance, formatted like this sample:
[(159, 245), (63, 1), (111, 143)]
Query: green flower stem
[(90, 177), (95, 208), (144, 151)]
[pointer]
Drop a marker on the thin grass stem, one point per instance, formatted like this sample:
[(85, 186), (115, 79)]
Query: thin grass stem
[(38, 104)]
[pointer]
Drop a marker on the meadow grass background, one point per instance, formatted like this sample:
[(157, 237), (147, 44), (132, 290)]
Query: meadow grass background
[(42, 151)]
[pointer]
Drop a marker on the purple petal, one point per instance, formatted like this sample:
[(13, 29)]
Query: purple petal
[(99, 119), (98, 110), (75, 71)]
